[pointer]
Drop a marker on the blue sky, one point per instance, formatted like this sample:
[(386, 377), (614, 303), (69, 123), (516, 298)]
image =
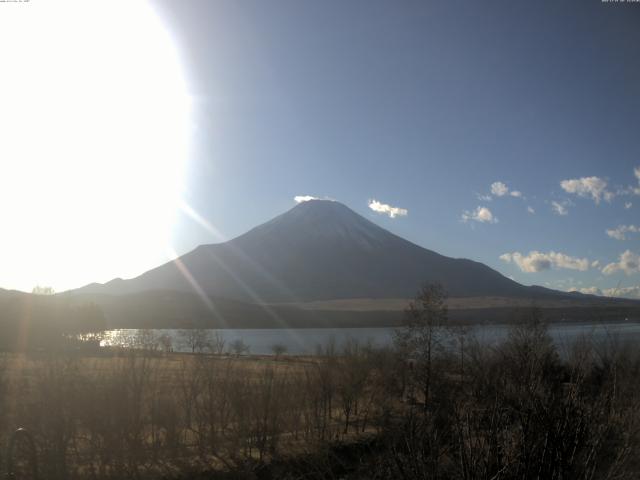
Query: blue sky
[(238, 107), (423, 106)]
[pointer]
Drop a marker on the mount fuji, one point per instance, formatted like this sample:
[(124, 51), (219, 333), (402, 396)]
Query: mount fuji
[(318, 250), (320, 256)]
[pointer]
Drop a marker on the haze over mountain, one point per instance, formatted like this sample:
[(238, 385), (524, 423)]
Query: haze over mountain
[(318, 250)]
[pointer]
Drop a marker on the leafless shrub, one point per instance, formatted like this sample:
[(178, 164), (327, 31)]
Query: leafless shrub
[(217, 343), (278, 349), (197, 339), (239, 347)]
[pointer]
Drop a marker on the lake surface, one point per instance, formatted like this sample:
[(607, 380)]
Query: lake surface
[(305, 341)]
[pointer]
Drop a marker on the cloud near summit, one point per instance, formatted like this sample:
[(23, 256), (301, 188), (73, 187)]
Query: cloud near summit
[(304, 198), (307, 198), (386, 209)]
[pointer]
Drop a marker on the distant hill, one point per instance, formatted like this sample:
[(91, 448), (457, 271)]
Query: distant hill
[(30, 321), (172, 309)]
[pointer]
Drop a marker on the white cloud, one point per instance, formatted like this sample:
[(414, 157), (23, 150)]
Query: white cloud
[(480, 214), (628, 263), (619, 232), (531, 210), (560, 208), (631, 190), (563, 283), (393, 212), (624, 292), (586, 290), (593, 187), (538, 261), (632, 292), (595, 264), (304, 198), (499, 189), (628, 205)]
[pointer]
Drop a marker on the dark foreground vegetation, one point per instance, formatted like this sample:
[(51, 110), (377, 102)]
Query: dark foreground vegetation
[(38, 322), (437, 405)]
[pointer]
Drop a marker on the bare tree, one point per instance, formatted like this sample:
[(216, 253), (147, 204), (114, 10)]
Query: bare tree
[(146, 339), (197, 339), (238, 347), (278, 349), (166, 343), (217, 343), (421, 335)]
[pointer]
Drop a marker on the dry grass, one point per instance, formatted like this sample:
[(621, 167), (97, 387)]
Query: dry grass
[(513, 411), (140, 414)]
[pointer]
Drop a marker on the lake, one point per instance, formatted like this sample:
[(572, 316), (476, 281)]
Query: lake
[(305, 341)]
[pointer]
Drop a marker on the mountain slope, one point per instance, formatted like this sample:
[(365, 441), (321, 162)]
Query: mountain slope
[(318, 250)]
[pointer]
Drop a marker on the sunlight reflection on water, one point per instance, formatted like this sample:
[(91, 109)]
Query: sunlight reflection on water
[(305, 341)]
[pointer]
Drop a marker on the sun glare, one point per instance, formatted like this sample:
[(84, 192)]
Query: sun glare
[(94, 120)]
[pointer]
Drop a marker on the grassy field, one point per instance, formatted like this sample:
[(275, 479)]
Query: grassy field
[(417, 410), (132, 413), (461, 303)]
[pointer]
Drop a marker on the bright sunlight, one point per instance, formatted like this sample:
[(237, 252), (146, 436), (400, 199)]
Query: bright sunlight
[(94, 137)]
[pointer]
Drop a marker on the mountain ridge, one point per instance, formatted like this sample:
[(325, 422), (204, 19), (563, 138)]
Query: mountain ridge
[(318, 250)]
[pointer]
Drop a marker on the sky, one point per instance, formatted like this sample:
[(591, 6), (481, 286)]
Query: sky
[(501, 131)]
